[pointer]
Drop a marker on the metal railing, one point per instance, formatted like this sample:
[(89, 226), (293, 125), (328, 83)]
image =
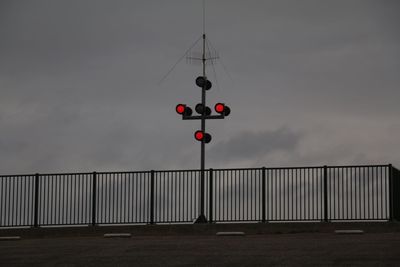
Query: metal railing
[(325, 193)]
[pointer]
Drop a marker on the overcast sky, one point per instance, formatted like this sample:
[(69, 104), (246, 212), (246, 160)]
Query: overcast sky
[(308, 83)]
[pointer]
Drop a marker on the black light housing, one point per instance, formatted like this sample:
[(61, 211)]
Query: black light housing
[(200, 109), (200, 82)]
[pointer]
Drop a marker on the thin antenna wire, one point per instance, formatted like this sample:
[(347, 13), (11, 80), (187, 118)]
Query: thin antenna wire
[(204, 16), (222, 63), (212, 64), (179, 60)]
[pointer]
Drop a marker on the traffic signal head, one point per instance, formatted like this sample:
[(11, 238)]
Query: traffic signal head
[(200, 136), (200, 82), (183, 110), (200, 109), (222, 109)]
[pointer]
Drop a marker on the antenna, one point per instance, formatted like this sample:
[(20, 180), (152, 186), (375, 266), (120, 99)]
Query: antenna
[(204, 16), (207, 56)]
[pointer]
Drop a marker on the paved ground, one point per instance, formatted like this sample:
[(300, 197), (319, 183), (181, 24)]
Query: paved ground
[(321, 249)]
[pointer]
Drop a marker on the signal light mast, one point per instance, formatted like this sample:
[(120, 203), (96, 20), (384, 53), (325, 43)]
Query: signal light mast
[(204, 114)]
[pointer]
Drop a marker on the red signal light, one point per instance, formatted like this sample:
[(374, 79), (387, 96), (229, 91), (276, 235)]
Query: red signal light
[(219, 107), (222, 109), (199, 135), (180, 108)]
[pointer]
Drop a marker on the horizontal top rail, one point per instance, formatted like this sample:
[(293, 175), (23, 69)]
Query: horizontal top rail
[(194, 170)]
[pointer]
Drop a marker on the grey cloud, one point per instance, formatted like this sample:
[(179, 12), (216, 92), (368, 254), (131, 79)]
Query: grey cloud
[(252, 145), (78, 82)]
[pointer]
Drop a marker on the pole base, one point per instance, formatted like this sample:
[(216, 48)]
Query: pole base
[(201, 219)]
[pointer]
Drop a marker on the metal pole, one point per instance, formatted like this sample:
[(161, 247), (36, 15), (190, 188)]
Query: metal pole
[(202, 217)]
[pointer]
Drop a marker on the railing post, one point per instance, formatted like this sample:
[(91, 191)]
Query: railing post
[(152, 197), (94, 197), (210, 202), (36, 211), (390, 192), (263, 204), (325, 193)]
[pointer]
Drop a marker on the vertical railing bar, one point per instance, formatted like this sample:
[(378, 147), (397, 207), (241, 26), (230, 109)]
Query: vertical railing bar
[(285, 200), (94, 191), (293, 194), (152, 197), (364, 198), (73, 196), (368, 193), (136, 190), (351, 193), (210, 202), (275, 199), (174, 196), (123, 197), (309, 194), (231, 195), (237, 199), (171, 176), (3, 208), (59, 198), (387, 194), (332, 193), (376, 193), (100, 200), (81, 203), (303, 194), (373, 192), (48, 195), (381, 198), (23, 201), (221, 194), (18, 202), (325, 193), (36, 217), (391, 197), (179, 201), (2, 200), (7, 201), (315, 191), (225, 194), (118, 198), (186, 199), (296, 182), (263, 195), (249, 194), (64, 201), (358, 196), (347, 192), (11, 201), (108, 179)]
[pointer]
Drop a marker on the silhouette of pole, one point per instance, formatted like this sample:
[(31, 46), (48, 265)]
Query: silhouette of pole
[(202, 217)]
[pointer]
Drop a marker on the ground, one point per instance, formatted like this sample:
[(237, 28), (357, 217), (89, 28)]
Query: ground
[(321, 249)]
